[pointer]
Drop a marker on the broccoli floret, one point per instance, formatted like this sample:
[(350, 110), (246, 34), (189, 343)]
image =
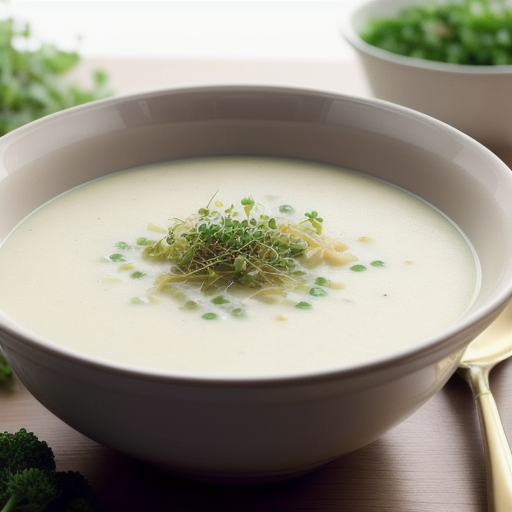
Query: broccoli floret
[(5, 368), (23, 450), (29, 480), (31, 489)]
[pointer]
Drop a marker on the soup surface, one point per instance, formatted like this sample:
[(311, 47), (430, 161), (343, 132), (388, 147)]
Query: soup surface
[(74, 270)]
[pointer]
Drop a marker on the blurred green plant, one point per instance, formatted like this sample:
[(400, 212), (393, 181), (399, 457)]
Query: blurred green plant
[(32, 78), (471, 32), (5, 368)]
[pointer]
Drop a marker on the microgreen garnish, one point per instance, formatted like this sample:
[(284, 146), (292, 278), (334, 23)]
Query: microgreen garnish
[(217, 249), (315, 221), (225, 257)]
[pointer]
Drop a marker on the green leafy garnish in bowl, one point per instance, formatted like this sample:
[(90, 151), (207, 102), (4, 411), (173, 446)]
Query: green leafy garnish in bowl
[(468, 32)]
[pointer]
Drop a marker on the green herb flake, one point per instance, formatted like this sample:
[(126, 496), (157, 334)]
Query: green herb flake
[(210, 316), (138, 300), (304, 305), (358, 268), (377, 263), (286, 209), (123, 246), (322, 281), (137, 274), (220, 300), (317, 292), (117, 257), (238, 312), (144, 242)]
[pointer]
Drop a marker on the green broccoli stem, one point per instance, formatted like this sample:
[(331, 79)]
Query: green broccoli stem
[(11, 503)]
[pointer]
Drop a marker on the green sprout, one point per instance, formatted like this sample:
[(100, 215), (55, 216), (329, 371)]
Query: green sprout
[(315, 221)]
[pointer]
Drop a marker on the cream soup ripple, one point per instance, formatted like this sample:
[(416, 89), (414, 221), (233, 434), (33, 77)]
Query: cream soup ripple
[(58, 278)]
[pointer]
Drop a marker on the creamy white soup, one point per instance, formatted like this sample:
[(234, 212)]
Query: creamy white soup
[(382, 269)]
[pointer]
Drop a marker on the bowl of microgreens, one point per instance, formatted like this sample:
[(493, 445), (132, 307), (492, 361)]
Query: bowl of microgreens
[(451, 59), (242, 283)]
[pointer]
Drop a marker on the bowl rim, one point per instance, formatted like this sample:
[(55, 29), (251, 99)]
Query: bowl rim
[(351, 35), (426, 348)]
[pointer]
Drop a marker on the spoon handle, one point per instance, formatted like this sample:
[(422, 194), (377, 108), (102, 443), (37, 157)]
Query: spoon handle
[(498, 457)]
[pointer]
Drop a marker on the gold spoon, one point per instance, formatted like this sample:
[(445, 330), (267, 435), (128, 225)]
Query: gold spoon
[(481, 356)]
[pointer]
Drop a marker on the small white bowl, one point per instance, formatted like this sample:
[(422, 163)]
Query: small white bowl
[(254, 429), (475, 99)]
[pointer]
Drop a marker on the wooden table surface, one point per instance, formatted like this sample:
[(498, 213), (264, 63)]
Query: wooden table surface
[(433, 462)]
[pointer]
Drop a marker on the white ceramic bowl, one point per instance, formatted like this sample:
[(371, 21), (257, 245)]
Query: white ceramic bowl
[(267, 428), (475, 99)]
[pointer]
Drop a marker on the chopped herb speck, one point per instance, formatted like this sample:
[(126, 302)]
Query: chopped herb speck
[(286, 208), (145, 242), (220, 300), (317, 292), (210, 316), (304, 305), (358, 268), (117, 257)]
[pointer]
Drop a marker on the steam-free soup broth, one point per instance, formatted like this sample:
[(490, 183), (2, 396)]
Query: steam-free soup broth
[(348, 268)]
